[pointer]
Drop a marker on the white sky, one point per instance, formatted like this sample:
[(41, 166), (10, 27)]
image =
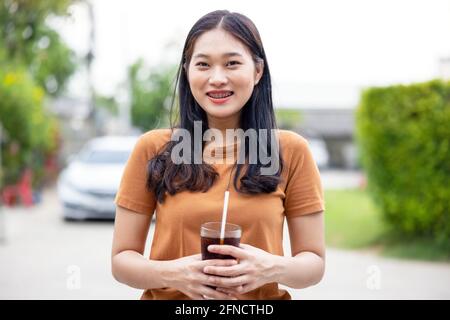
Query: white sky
[(320, 52)]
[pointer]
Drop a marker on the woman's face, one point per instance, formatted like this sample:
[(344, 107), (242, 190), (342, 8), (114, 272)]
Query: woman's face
[(222, 65)]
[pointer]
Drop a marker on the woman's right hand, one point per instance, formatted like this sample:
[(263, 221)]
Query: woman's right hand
[(186, 275)]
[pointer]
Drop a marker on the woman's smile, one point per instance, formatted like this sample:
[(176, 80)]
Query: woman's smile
[(220, 98)]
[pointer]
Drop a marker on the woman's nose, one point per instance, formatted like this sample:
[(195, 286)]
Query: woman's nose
[(218, 77)]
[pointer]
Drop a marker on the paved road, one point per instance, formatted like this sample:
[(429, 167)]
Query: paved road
[(43, 256)]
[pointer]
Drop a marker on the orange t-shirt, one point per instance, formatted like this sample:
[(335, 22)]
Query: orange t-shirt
[(178, 218)]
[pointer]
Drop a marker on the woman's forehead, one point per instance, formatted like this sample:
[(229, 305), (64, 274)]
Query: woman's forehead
[(218, 43)]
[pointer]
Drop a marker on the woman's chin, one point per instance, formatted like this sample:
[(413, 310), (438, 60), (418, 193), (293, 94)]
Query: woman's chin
[(220, 111)]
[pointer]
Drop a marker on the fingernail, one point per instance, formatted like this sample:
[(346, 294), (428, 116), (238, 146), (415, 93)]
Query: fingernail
[(211, 247)]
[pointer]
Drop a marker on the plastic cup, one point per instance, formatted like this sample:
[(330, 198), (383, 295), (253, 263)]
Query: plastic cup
[(210, 234)]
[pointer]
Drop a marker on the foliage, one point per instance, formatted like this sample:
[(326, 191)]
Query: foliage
[(26, 39), (30, 132), (151, 91), (108, 103), (288, 119), (403, 134)]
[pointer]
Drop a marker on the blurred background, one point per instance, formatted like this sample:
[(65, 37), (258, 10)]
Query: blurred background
[(366, 83)]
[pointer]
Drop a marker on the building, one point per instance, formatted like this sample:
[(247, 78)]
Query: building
[(336, 127)]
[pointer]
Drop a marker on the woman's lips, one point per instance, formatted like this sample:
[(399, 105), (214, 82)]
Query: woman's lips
[(220, 100)]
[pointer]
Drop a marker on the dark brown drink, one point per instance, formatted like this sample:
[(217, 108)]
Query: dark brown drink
[(206, 241), (210, 234)]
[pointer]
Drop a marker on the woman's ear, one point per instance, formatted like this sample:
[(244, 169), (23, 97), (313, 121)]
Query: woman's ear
[(259, 69)]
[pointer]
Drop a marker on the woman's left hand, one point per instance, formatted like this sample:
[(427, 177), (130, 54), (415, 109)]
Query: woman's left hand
[(256, 267)]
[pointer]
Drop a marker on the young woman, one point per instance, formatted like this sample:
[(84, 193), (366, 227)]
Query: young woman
[(223, 83)]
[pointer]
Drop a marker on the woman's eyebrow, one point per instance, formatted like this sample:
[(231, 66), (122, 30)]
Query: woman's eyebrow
[(228, 54)]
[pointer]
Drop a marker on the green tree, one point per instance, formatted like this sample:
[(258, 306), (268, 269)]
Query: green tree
[(151, 91), (288, 119), (108, 103), (26, 39), (34, 63), (30, 131)]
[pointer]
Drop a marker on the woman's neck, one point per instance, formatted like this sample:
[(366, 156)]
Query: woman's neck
[(223, 125)]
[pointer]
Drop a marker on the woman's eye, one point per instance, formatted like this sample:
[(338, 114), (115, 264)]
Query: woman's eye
[(202, 64), (234, 62)]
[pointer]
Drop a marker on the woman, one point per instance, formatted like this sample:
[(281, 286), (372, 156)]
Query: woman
[(224, 83)]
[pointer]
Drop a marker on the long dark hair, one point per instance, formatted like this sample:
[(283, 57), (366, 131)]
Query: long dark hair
[(165, 176)]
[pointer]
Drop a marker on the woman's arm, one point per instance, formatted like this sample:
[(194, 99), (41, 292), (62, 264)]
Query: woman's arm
[(129, 266), (307, 264), (258, 267)]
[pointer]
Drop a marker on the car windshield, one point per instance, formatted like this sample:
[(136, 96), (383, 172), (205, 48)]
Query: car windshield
[(104, 156)]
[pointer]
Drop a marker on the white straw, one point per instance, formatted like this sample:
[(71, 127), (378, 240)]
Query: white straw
[(224, 214)]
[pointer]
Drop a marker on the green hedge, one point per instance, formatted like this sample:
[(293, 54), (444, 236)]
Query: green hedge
[(30, 133), (403, 133)]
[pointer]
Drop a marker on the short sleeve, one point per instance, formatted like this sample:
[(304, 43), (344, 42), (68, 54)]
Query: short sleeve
[(304, 193), (133, 193)]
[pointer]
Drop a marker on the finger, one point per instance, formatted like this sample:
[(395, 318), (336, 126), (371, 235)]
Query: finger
[(232, 271), (226, 290), (228, 250), (247, 288), (214, 294), (245, 246), (219, 262), (229, 292), (224, 282), (232, 291)]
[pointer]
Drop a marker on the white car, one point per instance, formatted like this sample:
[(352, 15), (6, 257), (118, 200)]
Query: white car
[(88, 185)]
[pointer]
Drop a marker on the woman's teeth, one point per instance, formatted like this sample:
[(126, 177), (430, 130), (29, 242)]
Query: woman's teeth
[(220, 96)]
